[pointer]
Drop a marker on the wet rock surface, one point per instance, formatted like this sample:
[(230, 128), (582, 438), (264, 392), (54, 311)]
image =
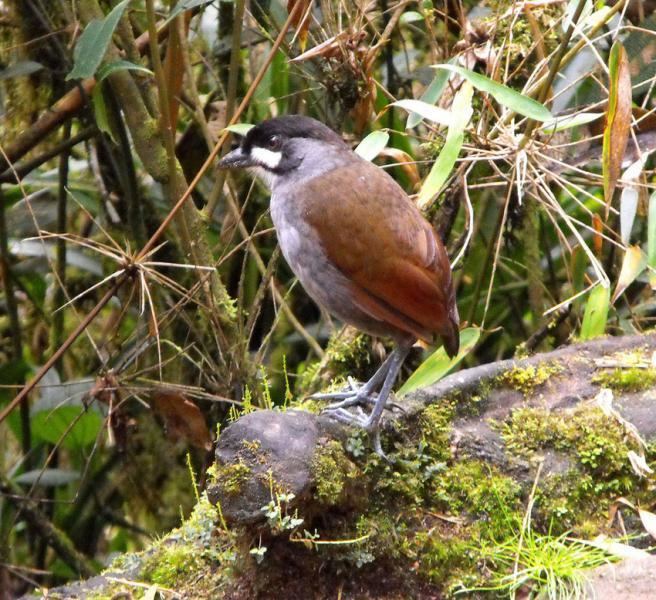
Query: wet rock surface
[(631, 579)]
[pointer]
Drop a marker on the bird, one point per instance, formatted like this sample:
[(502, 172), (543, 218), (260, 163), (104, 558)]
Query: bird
[(359, 246)]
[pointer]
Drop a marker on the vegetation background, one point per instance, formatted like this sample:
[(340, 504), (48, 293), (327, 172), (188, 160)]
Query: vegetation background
[(147, 310)]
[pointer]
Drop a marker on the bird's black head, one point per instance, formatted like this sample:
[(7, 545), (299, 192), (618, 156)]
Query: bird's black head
[(271, 145)]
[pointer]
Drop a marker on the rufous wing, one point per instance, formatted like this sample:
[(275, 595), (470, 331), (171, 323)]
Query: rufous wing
[(373, 234)]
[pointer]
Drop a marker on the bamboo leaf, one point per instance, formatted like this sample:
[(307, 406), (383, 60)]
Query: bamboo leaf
[(628, 210), (438, 364), (101, 113), (569, 121), (20, 69), (430, 96), (120, 65), (412, 16), (93, 43), (502, 94), (405, 162), (461, 112), (239, 128), (651, 240), (372, 145), (596, 313), (47, 477), (648, 521), (425, 111), (184, 5), (618, 119), (633, 264)]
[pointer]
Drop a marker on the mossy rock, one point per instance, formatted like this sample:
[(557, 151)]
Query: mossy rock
[(478, 461)]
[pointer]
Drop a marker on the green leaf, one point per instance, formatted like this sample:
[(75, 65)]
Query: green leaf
[(239, 128), (184, 5), (412, 16), (280, 83), (651, 240), (596, 313), (425, 111), (93, 43), (438, 364), (502, 94), (74, 427), (47, 477), (101, 113), (20, 69), (371, 146), (120, 65), (569, 121), (431, 95), (461, 112)]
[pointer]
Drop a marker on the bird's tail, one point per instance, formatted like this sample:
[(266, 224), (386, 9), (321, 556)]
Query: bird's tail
[(451, 338)]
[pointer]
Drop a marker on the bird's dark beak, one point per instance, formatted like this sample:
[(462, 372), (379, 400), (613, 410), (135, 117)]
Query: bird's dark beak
[(235, 159)]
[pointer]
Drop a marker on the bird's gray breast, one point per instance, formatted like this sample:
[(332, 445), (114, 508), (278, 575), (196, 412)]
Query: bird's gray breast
[(303, 251), (298, 240)]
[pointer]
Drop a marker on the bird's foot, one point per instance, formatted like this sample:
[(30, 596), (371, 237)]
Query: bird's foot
[(355, 394), (361, 420), (351, 389)]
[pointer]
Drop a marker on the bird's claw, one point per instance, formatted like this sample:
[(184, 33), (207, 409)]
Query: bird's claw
[(352, 388), (362, 421)]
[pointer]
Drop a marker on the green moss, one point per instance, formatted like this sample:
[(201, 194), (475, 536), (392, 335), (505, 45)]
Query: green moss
[(332, 471), (349, 355), (627, 380), (417, 461), (170, 564), (480, 491), (232, 477), (445, 560), (310, 405), (435, 424), (596, 447), (527, 379)]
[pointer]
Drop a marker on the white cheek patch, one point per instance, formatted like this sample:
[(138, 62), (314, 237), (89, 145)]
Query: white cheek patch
[(268, 158)]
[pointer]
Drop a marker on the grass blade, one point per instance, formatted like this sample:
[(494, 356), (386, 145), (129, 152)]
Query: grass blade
[(502, 94), (438, 364), (596, 313), (461, 112)]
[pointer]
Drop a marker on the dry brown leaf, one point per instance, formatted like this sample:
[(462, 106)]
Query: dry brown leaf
[(407, 164), (182, 418), (333, 47), (597, 239), (301, 20), (363, 108), (618, 119)]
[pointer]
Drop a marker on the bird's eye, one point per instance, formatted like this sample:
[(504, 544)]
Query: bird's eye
[(274, 142)]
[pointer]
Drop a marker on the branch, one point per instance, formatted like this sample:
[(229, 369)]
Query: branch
[(54, 536)]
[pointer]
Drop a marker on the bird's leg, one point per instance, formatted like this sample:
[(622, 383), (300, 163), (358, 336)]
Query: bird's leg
[(356, 394), (371, 423)]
